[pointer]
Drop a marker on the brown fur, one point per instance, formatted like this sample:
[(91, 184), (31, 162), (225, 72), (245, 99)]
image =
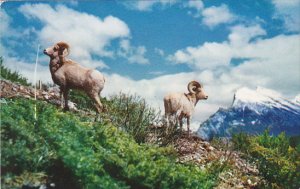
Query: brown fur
[(70, 75)]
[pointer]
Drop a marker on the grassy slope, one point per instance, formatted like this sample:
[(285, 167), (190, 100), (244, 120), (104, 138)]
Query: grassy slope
[(73, 152)]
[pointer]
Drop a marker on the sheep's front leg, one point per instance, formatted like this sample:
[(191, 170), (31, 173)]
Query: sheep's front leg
[(61, 98), (188, 125), (167, 118), (66, 98), (180, 117)]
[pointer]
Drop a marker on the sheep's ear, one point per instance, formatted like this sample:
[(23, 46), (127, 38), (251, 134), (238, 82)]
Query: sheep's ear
[(65, 51)]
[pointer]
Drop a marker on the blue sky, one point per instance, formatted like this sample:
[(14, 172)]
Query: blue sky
[(153, 47)]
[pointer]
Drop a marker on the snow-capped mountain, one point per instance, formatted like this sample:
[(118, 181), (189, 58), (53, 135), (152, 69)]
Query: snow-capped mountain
[(254, 111)]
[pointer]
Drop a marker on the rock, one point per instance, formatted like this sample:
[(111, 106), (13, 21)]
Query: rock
[(43, 186), (249, 182), (32, 91), (46, 97), (72, 105), (210, 148)]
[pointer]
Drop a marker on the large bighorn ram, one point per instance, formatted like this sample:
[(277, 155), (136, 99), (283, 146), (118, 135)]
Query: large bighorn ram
[(70, 75), (182, 105)]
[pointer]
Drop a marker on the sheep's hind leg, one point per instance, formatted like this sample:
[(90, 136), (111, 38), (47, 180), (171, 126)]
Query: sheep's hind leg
[(98, 105)]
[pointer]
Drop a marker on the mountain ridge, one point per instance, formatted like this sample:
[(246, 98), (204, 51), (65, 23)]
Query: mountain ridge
[(253, 111)]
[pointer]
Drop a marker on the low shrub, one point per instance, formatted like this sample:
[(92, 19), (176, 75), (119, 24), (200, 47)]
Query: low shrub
[(132, 114), (278, 162)]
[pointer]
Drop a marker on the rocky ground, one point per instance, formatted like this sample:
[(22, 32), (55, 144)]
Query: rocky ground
[(13, 90), (236, 172)]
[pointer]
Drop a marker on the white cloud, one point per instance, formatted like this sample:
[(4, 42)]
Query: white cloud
[(241, 35), (87, 35), (288, 10), (213, 16), (211, 55), (198, 5), (147, 5), (133, 54), (144, 5)]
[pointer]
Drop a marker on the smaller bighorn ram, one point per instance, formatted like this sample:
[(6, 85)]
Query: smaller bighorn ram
[(182, 105), (70, 75)]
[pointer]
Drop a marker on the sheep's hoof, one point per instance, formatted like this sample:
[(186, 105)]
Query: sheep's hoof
[(103, 109), (189, 134)]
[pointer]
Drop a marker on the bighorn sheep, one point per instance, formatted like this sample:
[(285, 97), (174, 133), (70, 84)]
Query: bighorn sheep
[(182, 105), (70, 75)]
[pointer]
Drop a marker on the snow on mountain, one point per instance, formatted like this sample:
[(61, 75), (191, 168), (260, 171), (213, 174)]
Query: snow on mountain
[(261, 95), (297, 99), (253, 111), (262, 98)]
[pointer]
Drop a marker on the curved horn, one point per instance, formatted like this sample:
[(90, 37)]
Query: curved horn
[(193, 85), (62, 47)]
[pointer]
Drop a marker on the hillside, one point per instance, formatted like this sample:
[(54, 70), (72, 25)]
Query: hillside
[(53, 124), (126, 148), (72, 151)]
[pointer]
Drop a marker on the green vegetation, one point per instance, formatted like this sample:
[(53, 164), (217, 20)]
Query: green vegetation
[(6, 73), (74, 152), (278, 162), (127, 112)]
